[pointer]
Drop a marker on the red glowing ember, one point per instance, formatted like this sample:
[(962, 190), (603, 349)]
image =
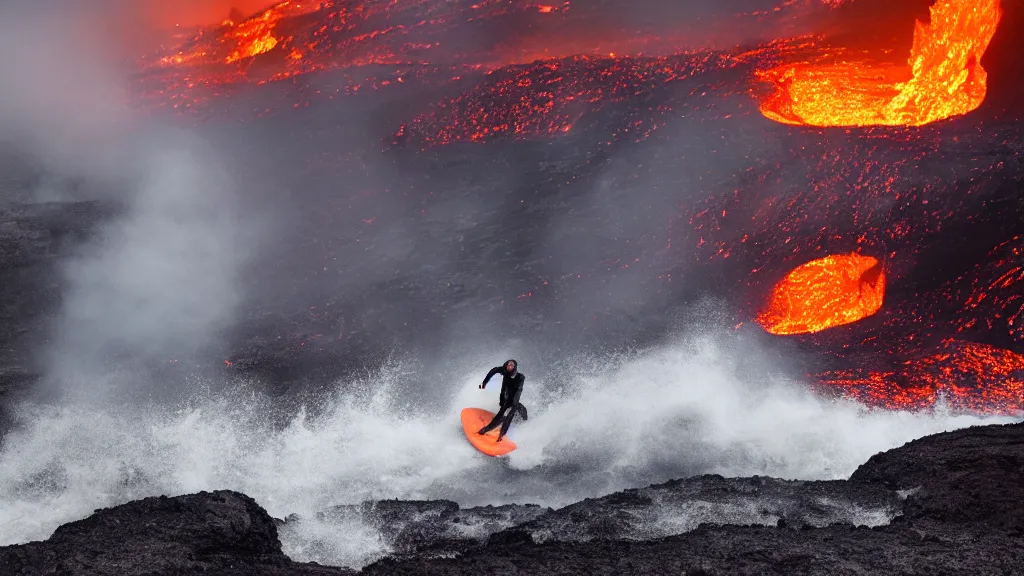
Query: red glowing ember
[(964, 376), (998, 289), (232, 41), (825, 293), (290, 39), (943, 77), (548, 98)]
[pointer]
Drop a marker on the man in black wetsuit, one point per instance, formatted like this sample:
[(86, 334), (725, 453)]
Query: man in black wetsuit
[(511, 387)]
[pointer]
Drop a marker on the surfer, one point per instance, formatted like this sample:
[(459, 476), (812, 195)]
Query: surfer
[(511, 387)]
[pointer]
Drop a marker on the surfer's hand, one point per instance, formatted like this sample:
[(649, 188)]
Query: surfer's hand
[(481, 386)]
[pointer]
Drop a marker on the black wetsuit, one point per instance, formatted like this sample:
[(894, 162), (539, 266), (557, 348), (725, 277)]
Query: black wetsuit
[(511, 388)]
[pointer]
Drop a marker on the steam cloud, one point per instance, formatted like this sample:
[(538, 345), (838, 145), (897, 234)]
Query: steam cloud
[(59, 104), (160, 278)]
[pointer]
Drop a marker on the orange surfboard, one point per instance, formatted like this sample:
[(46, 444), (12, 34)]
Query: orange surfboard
[(474, 419)]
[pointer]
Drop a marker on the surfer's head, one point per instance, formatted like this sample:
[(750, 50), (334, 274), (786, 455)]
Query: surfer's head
[(511, 366)]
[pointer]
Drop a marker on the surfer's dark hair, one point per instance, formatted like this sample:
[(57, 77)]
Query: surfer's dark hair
[(512, 361)]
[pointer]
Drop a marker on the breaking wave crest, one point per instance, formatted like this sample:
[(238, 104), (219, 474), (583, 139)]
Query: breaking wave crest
[(667, 412)]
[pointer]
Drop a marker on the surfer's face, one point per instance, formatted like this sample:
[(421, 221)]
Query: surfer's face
[(511, 367)]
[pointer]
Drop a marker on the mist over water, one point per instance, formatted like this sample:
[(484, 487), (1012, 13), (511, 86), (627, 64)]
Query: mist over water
[(676, 410), (158, 279), (161, 278)]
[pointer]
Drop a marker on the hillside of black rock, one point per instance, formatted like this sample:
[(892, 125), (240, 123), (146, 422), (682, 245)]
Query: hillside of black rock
[(960, 513), (951, 503)]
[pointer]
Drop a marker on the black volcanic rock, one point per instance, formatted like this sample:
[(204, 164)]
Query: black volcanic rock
[(733, 550), (961, 516), (970, 476), (957, 497), (680, 505), (425, 528), (440, 528), (207, 533)]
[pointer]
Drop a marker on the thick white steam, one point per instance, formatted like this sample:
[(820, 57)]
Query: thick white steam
[(63, 102), (160, 279)]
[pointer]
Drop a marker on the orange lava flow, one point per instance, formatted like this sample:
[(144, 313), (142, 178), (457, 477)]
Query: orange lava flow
[(943, 77), (825, 293), (232, 42), (967, 376), (254, 36)]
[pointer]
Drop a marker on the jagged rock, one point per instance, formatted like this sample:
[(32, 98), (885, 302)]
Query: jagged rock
[(962, 520), (733, 550), (430, 527), (680, 505), (975, 475), (510, 537), (958, 495), (210, 533)]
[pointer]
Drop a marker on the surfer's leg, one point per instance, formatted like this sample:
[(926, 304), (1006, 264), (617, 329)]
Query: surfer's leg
[(493, 423), (506, 423)]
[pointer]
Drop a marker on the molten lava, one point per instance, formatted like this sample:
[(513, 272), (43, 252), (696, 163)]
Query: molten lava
[(232, 42), (293, 38), (825, 293), (943, 77), (254, 36), (967, 376)]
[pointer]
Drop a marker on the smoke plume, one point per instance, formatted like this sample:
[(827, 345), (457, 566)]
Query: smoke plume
[(159, 279)]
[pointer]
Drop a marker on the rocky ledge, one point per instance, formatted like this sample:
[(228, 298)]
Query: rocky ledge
[(951, 503)]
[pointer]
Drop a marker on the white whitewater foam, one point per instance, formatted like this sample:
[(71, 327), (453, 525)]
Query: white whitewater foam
[(669, 412)]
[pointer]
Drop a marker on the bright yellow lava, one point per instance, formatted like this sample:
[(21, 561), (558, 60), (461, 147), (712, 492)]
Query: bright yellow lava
[(254, 36), (943, 77), (825, 293)]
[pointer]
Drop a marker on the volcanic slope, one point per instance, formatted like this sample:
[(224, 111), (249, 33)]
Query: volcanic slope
[(635, 185)]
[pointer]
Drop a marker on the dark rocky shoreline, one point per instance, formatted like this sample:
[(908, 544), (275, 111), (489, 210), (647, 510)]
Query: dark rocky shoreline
[(951, 503)]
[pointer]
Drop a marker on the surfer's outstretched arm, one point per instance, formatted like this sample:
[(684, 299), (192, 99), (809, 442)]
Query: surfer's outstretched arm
[(490, 374)]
